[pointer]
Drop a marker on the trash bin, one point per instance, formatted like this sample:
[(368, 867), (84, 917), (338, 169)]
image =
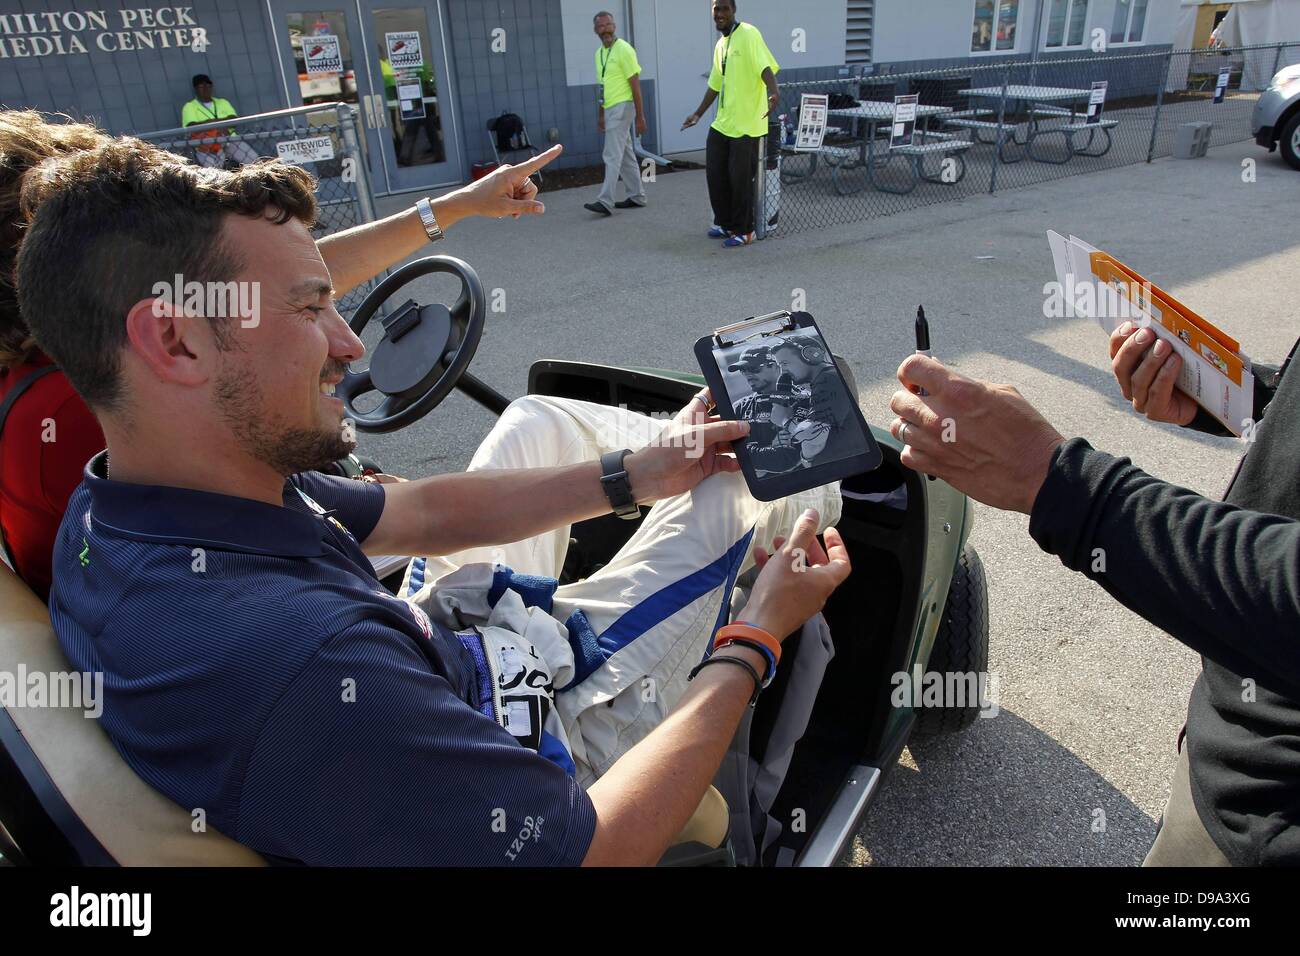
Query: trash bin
[(1191, 140)]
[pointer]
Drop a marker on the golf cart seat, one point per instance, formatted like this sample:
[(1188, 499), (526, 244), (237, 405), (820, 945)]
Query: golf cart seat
[(66, 795)]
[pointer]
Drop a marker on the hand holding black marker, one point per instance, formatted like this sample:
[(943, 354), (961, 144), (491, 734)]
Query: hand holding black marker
[(922, 340)]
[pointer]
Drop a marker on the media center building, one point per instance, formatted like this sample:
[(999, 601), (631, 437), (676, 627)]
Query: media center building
[(424, 77)]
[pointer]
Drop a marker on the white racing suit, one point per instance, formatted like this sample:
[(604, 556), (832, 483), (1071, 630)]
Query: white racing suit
[(583, 672)]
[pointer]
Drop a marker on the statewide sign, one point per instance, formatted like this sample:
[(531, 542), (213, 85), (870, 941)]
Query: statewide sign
[(321, 54), (310, 150), (404, 51)]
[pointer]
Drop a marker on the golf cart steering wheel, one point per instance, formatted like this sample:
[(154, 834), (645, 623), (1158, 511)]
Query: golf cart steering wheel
[(425, 349)]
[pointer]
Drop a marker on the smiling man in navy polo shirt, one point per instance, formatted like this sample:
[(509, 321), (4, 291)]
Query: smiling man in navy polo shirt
[(253, 666)]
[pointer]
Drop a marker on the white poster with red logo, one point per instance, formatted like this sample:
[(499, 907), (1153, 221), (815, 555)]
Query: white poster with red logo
[(321, 54)]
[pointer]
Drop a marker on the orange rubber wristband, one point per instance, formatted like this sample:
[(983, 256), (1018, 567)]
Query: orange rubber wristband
[(749, 631)]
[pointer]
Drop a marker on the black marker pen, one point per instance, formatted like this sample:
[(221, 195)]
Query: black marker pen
[(922, 339)]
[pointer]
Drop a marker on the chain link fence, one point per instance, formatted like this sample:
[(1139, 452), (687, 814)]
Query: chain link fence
[(324, 139), (985, 127)]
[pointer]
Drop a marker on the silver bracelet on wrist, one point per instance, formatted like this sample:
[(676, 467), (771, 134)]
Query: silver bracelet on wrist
[(427, 219)]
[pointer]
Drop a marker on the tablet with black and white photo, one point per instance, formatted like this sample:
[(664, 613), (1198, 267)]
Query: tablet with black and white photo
[(806, 429)]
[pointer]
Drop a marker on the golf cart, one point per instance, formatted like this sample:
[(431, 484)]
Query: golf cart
[(916, 600)]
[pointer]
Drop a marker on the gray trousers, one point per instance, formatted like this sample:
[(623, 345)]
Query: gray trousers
[(1183, 839), (619, 156)]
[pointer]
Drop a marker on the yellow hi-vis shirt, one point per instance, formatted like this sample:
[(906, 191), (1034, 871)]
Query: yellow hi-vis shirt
[(196, 112), (616, 65), (737, 78)]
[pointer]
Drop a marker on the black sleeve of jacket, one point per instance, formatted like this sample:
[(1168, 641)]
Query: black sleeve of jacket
[(1222, 580), (1266, 377)]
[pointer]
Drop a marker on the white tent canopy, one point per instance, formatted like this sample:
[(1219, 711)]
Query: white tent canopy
[(1248, 23)]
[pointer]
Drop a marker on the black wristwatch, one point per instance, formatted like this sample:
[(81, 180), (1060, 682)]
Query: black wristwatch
[(613, 478)]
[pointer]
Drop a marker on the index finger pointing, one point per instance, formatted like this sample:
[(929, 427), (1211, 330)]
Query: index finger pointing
[(537, 162)]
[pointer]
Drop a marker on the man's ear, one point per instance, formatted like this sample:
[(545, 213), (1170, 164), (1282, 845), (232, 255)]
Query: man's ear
[(168, 341)]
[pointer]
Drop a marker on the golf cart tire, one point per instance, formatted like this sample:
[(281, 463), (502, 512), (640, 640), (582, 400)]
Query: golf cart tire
[(961, 645)]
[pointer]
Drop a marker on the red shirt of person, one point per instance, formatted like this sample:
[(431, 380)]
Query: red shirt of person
[(48, 437)]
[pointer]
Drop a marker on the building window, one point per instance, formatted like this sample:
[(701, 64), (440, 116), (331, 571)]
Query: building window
[(1130, 18), (995, 25), (1066, 23)]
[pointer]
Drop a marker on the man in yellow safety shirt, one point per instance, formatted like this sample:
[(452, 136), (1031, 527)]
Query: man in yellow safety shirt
[(620, 106), (743, 81), (205, 108)]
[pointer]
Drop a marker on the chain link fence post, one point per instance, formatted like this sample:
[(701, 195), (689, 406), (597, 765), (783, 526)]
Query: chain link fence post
[(1277, 60), (998, 140), (352, 143), (1160, 99), (760, 191)]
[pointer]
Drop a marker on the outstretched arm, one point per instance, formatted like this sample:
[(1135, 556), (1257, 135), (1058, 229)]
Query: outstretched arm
[(449, 513), (1223, 580), (355, 255), (709, 97)]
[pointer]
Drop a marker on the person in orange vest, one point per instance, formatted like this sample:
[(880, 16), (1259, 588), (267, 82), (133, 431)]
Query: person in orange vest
[(205, 108)]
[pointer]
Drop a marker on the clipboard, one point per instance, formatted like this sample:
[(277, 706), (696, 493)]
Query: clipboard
[(806, 429)]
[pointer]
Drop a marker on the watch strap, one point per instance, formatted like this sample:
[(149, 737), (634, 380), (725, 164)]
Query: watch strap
[(424, 208), (618, 489)]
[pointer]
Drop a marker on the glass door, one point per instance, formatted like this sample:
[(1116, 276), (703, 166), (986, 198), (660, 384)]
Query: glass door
[(320, 53), (407, 64)]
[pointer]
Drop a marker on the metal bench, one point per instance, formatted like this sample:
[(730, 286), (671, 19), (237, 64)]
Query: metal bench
[(915, 155), (1017, 133), (1072, 148)]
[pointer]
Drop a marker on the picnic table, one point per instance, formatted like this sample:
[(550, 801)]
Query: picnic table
[(1041, 104), (861, 151)]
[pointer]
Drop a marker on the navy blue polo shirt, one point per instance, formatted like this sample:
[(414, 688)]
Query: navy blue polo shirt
[(255, 668)]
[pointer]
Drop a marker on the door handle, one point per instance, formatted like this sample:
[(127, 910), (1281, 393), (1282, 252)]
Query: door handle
[(370, 111), (381, 110)]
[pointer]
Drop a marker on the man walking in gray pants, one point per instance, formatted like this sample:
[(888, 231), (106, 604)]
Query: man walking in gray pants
[(620, 77)]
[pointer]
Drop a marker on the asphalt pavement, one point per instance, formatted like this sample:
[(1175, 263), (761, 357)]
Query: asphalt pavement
[(1075, 768)]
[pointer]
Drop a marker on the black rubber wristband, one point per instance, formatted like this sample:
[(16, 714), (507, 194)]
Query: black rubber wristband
[(769, 670), (758, 683)]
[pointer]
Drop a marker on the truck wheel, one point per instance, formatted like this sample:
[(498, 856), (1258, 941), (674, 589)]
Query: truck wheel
[(1289, 142), (961, 646)]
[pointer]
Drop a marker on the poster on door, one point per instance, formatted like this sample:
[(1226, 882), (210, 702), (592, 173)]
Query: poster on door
[(321, 54), (410, 98), (404, 51)]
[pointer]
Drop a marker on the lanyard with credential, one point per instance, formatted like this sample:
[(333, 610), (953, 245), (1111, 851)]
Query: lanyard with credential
[(726, 51), (604, 63)]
